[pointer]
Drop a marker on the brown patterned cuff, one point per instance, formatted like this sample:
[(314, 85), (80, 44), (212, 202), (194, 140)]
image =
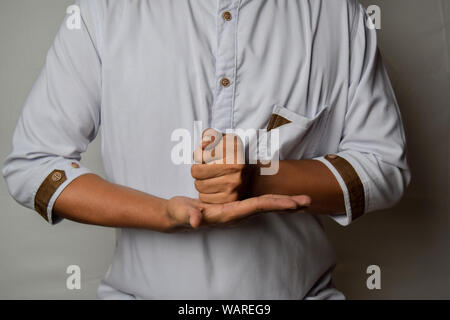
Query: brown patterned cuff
[(352, 181), (47, 189)]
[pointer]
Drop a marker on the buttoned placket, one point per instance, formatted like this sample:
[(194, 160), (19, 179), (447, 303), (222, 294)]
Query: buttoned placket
[(227, 22)]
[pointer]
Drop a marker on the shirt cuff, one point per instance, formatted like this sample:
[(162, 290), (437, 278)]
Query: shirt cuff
[(351, 185), (52, 186)]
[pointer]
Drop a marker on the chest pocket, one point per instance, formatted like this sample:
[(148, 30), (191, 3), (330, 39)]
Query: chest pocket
[(299, 135)]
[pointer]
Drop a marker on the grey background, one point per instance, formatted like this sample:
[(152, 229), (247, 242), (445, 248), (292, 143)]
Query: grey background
[(409, 242)]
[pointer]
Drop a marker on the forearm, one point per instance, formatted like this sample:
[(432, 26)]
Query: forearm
[(92, 200), (296, 177)]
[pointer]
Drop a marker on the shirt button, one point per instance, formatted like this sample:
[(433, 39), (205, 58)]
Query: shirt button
[(75, 165), (56, 176), (225, 82), (227, 16)]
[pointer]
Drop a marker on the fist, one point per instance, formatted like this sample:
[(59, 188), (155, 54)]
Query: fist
[(220, 173)]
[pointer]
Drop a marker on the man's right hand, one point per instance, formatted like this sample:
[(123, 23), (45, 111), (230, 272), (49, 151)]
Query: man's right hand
[(192, 213)]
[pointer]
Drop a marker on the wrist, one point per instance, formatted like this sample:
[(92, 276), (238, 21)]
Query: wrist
[(260, 184), (169, 221), (158, 217)]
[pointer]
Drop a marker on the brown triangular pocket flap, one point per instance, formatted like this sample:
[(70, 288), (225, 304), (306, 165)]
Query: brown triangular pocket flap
[(277, 121)]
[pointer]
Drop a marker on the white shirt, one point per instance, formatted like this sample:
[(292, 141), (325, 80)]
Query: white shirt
[(140, 70)]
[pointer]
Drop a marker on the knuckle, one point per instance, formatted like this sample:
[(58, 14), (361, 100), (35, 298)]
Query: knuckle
[(232, 197), (194, 170), (233, 188), (198, 185), (239, 178), (235, 181), (230, 189)]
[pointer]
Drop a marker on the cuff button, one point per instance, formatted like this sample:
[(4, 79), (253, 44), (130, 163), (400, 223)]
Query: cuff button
[(56, 176), (331, 156)]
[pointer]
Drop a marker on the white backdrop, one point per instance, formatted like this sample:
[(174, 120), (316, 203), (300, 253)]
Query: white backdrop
[(410, 242)]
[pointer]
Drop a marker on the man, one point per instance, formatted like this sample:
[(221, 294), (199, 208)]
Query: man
[(308, 70)]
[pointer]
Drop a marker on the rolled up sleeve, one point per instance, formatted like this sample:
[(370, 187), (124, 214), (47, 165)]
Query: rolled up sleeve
[(59, 119), (370, 165)]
